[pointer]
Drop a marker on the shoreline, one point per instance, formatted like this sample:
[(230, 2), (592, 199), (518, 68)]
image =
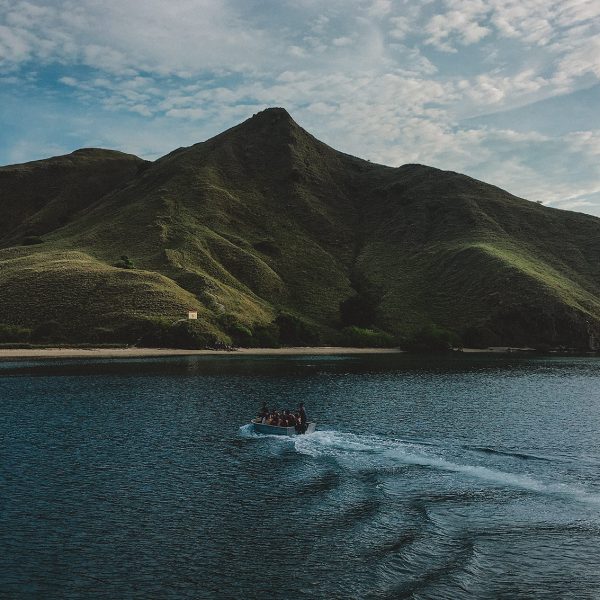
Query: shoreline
[(54, 353), (8, 354)]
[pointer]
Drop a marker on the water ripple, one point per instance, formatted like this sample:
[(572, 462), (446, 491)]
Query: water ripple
[(458, 478)]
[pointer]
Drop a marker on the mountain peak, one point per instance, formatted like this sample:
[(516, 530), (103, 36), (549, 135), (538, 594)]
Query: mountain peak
[(274, 113), (271, 120), (269, 128)]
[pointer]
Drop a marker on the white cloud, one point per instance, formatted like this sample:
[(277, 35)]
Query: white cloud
[(380, 8), (490, 89), (400, 27), (342, 41), (70, 81), (462, 21), (186, 113), (581, 58), (321, 108), (13, 47), (587, 142), (297, 51)]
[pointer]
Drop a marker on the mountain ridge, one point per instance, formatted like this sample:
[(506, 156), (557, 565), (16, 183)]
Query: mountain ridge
[(264, 220)]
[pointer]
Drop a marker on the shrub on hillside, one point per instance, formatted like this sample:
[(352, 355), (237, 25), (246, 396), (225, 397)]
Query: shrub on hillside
[(360, 309), (13, 333), (163, 333), (48, 331), (257, 336), (240, 334), (125, 263), (265, 336), (102, 335), (191, 334), (268, 247), (431, 338), (358, 337), (294, 331), (479, 337), (32, 240), (132, 332), (17, 346)]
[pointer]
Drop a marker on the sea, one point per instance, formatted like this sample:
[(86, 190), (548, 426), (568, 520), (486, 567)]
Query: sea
[(429, 477)]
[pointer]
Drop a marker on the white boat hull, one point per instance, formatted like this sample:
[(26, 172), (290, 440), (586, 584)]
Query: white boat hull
[(276, 430)]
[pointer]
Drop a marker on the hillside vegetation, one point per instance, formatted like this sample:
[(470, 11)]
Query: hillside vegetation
[(274, 237)]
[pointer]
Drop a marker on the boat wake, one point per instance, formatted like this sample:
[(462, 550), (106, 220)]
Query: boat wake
[(373, 452), (247, 431), (520, 455)]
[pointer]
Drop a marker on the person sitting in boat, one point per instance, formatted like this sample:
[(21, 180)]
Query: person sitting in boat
[(291, 419), (297, 424)]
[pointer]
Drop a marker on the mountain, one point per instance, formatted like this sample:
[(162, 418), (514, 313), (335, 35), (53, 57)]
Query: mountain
[(272, 235)]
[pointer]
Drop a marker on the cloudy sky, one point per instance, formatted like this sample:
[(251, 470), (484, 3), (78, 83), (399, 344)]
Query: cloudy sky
[(504, 90)]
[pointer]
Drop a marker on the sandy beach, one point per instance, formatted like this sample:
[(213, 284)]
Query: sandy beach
[(54, 353)]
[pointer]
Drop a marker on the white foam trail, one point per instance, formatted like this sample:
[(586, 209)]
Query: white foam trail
[(247, 431), (344, 446)]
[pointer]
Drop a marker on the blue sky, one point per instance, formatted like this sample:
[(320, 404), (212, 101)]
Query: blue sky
[(504, 90)]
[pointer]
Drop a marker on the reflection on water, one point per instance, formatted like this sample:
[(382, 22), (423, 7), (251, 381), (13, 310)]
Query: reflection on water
[(445, 477)]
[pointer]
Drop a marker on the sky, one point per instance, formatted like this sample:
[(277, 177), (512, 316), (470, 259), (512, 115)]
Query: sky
[(506, 91)]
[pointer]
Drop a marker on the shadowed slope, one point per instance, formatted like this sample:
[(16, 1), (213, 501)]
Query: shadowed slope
[(463, 253), (40, 196)]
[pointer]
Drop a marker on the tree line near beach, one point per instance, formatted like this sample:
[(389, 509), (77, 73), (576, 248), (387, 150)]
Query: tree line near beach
[(276, 239)]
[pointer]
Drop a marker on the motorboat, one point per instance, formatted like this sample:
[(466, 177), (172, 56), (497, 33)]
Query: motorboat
[(263, 428)]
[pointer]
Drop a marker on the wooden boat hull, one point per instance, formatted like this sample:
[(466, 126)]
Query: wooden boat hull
[(276, 430)]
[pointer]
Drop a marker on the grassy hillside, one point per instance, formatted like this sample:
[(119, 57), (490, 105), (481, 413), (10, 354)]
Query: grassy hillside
[(41, 196), (463, 254), (272, 235)]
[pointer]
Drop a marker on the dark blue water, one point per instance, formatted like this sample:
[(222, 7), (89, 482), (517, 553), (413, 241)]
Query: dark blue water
[(460, 477)]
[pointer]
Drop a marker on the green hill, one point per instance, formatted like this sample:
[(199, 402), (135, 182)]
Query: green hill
[(273, 236)]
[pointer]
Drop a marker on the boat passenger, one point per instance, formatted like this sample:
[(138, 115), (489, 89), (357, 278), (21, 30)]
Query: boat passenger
[(302, 412), (298, 425), (303, 418)]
